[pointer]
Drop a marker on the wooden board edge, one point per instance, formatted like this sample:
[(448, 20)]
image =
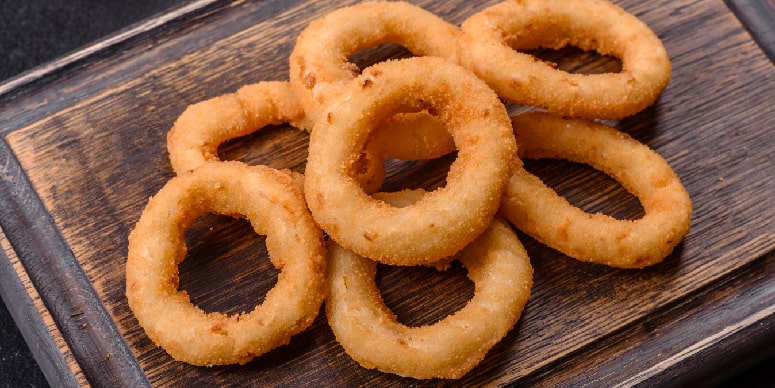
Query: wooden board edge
[(35, 323), (736, 314), (740, 326), (42, 75), (64, 287), (757, 17)]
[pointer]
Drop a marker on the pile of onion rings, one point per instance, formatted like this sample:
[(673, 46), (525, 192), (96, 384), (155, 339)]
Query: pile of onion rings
[(447, 99)]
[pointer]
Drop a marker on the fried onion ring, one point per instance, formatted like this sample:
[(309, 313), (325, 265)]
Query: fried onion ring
[(537, 210), (275, 207), (319, 66), (202, 127), (370, 333), (490, 38), (446, 219)]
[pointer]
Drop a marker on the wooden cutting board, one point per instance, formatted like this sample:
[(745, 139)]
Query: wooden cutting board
[(83, 147)]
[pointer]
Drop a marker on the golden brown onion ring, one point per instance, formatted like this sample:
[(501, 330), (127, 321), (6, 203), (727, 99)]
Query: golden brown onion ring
[(275, 207), (202, 127), (369, 332), (490, 39), (446, 219), (320, 69), (537, 210)]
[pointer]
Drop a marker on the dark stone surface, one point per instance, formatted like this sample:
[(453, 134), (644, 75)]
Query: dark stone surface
[(33, 32), (17, 367)]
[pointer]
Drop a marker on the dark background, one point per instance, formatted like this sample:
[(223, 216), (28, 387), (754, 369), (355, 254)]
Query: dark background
[(34, 32)]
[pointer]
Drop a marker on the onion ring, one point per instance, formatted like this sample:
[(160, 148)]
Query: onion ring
[(369, 332), (273, 203), (319, 66), (490, 38), (202, 127), (446, 219), (537, 210)]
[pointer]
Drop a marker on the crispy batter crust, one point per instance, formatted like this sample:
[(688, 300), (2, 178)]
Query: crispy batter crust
[(538, 211), (445, 220), (369, 332), (490, 39)]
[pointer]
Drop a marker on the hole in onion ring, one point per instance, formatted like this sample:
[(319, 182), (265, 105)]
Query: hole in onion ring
[(379, 53), (428, 287), (575, 60), (264, 145), (427, 174), (586, 188), (226, 268)]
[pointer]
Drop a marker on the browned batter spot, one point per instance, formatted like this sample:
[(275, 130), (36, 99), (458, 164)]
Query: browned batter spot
[(309, 81)]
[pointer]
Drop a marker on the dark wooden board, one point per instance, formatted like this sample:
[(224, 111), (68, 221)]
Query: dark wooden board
[(84, 147), (757, 17)]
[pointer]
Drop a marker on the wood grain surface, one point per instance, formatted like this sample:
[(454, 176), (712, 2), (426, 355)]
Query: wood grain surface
[(83, 150)]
